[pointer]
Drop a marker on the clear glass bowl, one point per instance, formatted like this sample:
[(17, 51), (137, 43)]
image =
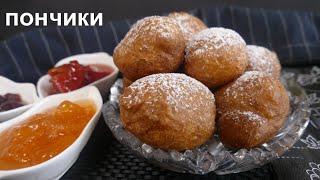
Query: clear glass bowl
[(213, 156)]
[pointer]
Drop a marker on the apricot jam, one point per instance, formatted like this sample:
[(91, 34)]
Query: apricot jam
[(44, 135)]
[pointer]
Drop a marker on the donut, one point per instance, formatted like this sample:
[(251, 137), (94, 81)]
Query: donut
[(216, 56), (153, 45), (188, 24), (262, 59), (126, 82), (169, 111), (251, 110)]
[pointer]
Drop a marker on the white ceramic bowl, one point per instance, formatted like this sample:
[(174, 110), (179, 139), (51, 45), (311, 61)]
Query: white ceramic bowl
[(28, 94), (104, 84), (54, 168)]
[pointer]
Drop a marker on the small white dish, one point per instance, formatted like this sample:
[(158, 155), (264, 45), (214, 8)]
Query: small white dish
[(28, 94), (104, 84), (55, 167)]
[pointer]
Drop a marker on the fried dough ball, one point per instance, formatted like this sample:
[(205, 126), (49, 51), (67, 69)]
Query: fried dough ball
[(169, 111), (126, 82), (251, 110), (153, 45), (216, 56), (262, 59), (188, 23)]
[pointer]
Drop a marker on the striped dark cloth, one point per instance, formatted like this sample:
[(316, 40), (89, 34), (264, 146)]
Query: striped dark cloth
[(293, 35)]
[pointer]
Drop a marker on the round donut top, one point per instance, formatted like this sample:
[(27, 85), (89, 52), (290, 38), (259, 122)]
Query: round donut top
[(152, 27), (248, 80), (261, 59), (244, 92), (188, 24), (177, 90), (215, 38)]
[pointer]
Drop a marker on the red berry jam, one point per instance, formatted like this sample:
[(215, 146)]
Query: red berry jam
[(10, 101), (72, 76)]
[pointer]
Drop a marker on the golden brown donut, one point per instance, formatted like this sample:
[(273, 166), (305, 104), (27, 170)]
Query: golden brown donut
[(188, 23), (169, 111), (153, 45), (251, 109), (126, 82), (262, 59), (216, 56)]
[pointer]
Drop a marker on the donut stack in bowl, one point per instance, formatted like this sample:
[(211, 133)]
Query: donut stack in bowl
[(184, 82)]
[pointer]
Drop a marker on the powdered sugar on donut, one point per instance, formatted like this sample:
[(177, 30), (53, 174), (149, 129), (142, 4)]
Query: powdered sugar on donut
[(182, 21), (248, 80), (152, 26), (249, 116), (243, 90), (187, 23), (177, 89), (215, 38), (261, 59)]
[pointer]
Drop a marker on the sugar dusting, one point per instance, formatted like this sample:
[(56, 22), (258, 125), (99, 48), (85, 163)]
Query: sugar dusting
[(151, 27), (187, 23), (214, 39), (248, 80), (261, 59), (249, 115), (239, 90), (176, 88)]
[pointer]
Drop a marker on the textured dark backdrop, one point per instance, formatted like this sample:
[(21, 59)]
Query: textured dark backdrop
[(120, 9)]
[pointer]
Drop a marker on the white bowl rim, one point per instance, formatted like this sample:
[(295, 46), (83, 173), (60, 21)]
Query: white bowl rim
[(17, 120), (76, 56), (16, 84)]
